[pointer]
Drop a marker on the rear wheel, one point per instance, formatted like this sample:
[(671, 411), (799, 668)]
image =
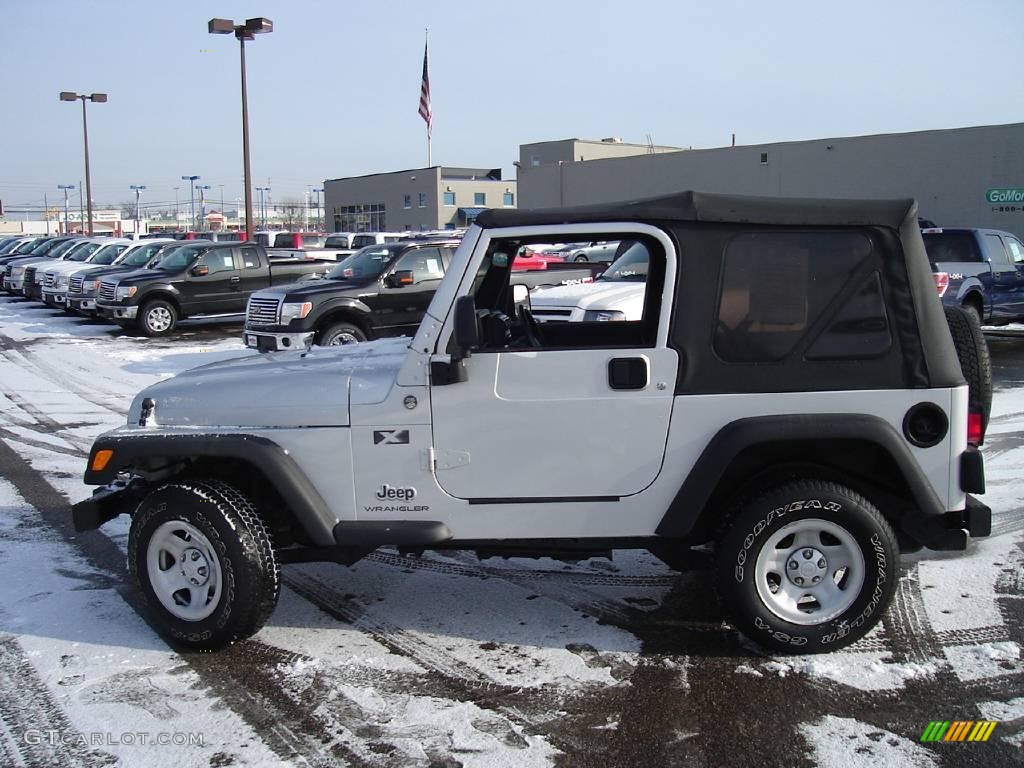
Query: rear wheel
[(972, 351), (205, 561), (338, 334), (807, 568), (580, 257), (157, 317)]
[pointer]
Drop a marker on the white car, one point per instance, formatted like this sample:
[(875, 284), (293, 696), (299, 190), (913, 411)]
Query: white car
[(617, 295), (55, 278)]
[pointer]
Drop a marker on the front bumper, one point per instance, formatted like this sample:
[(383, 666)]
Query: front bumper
[(273, 342), (54, 299), (106, 503), (32, 290), (116, 311), (13, 284), (81, 304)]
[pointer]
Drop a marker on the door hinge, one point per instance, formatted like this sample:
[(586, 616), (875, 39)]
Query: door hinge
[(445, 458)]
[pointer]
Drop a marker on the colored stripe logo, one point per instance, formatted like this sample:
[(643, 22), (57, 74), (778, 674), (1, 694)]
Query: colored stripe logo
[(959, 730)]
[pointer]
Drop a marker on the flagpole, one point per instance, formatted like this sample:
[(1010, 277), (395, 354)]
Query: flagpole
[(426, 45)]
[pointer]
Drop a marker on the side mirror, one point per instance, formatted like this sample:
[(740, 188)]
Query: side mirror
[(399, 278), (200, 271), (520, 293), (467, 330)]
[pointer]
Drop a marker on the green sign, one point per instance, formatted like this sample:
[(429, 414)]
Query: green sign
[(1011, 195)]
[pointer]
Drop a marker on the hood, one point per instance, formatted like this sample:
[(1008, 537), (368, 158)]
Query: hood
[(66, 266), (311, 388), (144, 274), (310, 288), (597, 295)]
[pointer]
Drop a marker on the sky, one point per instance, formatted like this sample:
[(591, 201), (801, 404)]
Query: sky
[(334, 90)]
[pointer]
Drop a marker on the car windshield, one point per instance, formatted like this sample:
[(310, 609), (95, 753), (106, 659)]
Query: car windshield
[(63, 248), (37, 248), (336, 241), (365, 264), (8, 247), (180, 258), (108, 253), (631, 266), (139, 256), (83, 251)]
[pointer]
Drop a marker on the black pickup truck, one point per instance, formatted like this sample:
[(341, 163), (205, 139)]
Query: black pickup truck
[(380, 290), (209, 282)]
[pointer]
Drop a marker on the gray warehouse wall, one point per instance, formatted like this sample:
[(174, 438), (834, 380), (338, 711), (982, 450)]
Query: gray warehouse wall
[(948, 172)]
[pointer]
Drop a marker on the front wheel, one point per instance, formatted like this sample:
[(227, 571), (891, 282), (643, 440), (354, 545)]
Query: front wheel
[(580, 257), (808, 567), (338, 334), (157, 317), (205, 561)]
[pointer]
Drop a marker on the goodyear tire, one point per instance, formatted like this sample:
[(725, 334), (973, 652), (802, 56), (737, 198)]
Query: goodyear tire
[(808, 567), (205, 561), (338, 334), (972, 351), (157, 317)]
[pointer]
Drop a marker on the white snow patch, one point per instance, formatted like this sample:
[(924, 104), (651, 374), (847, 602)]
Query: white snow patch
[(972, 662), (841, 742)]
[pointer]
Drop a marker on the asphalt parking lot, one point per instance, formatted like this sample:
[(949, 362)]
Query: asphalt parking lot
[(447, 660)]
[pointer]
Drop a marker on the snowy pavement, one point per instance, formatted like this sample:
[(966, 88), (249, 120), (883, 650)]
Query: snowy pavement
[(447, 660)]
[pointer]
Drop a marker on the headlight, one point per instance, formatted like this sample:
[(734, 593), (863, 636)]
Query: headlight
[(603, 316), (60, 281), (17, 271), (120, 294), (295, 310), (90, 286)]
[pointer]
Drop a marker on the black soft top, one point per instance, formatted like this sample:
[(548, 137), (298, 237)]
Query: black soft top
[(704, 206)]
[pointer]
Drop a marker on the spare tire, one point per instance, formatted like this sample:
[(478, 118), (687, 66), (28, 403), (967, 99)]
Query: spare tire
[(972, 351)]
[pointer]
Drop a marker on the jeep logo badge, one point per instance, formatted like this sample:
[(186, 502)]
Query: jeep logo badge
[(400, 494)]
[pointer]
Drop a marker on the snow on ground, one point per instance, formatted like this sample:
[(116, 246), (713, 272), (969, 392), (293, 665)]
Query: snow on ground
[(446, 659)]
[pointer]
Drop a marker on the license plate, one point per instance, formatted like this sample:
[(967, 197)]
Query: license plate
[(251, 341)]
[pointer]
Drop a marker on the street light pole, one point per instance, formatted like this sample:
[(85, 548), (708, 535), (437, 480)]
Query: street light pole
[(263, 204), (176, 207), (202, 205), (319, 224), (66, 187), (138, 190), (243, 32), (192, 182), (99, 98)]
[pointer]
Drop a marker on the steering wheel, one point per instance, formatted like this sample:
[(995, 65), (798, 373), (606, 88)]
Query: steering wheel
[(531, 328), (497, 329)]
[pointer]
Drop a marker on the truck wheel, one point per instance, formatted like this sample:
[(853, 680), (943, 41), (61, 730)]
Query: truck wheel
[(972, 351), (807, 568), (337, 334), (157, 317), (580, 257), (205, 561)]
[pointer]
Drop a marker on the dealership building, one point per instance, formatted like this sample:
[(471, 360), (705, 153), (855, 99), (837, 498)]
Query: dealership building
[(972, 177), (418, 199)]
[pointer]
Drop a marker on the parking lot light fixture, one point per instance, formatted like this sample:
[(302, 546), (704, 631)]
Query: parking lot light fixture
[(137, 188), (202, 205), (247, 31), (99, 98), (192, 189)]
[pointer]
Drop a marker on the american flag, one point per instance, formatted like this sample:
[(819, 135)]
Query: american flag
[(425, 112)]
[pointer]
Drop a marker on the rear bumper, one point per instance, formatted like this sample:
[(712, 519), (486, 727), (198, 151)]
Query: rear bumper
[(950, 532)]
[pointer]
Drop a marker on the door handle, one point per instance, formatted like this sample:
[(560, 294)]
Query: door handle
[(627, 373), (236, 279)]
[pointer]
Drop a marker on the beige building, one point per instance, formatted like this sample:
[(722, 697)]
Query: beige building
[(418, 199)]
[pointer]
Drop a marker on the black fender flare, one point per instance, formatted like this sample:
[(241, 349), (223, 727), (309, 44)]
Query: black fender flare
[(970, 287), (277, 466), (342, 303), (732, 439), (163, 291)]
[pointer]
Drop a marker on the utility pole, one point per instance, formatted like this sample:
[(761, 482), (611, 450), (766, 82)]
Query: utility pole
[(46, 214), (81, 210), (202, 204), (319, 224), (223, 215), (192, 181), (176, 207)]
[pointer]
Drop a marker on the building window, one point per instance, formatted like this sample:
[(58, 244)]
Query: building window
[(423, 200), (366, 217), (407, 201), (449, 198), (479, 198), (450, 225), (764, 158), (508, 200)]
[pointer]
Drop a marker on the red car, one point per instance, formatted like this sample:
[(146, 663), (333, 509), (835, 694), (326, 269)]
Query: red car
[(529, 259)]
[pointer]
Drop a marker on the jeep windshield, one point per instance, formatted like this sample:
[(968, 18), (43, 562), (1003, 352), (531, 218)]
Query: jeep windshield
[(365, 264), (631, 266)]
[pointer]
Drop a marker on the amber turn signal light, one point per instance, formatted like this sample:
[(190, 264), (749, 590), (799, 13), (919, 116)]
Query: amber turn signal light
[(100, 459)]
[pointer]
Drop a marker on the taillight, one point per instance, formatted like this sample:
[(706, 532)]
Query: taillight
[(941, 282), (975, 430)]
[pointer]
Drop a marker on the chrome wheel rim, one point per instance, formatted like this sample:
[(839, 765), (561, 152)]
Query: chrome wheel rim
[(343, 338), (184, 571), (809, 571), (158, 319)]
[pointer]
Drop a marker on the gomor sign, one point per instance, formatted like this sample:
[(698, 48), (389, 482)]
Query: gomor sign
[(1013, 195)]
